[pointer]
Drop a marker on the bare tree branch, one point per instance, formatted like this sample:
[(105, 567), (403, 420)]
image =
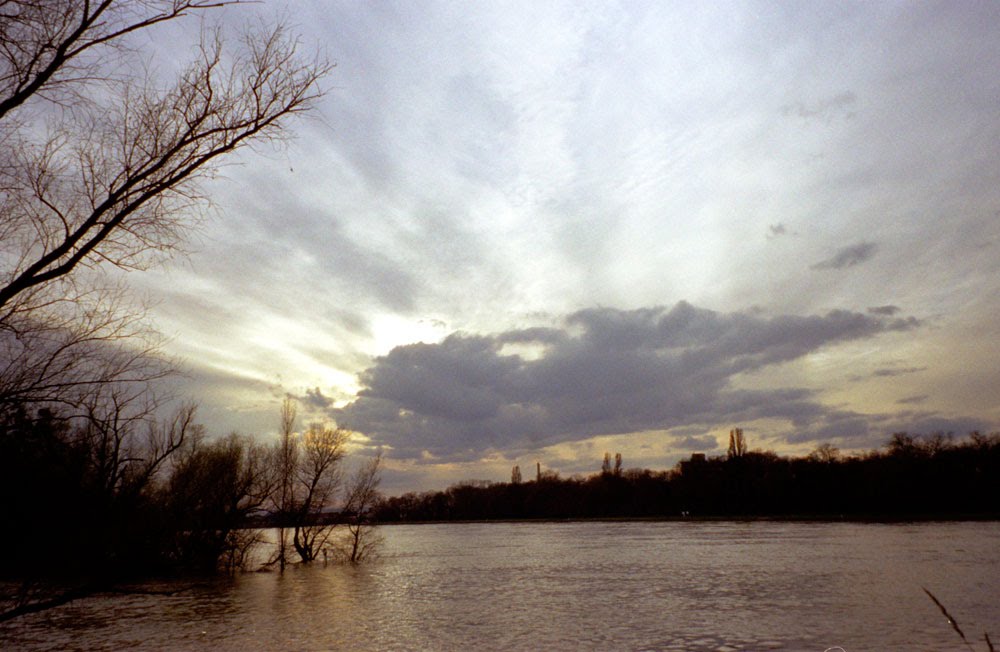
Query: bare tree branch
[(41, 41), (117, 183), (114, 182)]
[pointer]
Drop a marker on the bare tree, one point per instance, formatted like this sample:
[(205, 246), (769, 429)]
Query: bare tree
[(212, 491), (128, 448), (826, 453), (308, 475), (360, 497), (737, 444), (46, 42), (286, 460), (318, 477), (112, 180), (70, 356), (101, 167), (607, 469)]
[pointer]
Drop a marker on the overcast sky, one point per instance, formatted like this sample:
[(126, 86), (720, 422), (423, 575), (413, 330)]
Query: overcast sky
[(528, 231)]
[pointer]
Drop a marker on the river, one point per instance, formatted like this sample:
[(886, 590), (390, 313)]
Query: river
[(700, 586)]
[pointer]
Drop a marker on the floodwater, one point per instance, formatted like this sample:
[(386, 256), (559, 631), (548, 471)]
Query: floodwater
[(725, 586)]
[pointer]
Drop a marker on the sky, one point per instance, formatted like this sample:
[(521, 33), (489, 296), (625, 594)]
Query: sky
[(519, 232)]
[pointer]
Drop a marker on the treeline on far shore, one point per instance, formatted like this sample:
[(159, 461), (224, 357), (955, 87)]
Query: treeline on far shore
[(916, 477)]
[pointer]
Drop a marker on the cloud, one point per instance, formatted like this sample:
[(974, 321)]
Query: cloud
[(888, 372), (933, 423), (849, 256), (888, 311), (827, 108), (315, 398), (603, 371), (872, 430), (776, 230), (892, 372), (845, 426), (913, 399), (703, 443)]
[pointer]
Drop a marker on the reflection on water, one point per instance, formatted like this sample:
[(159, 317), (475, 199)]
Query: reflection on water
[(575, 586)]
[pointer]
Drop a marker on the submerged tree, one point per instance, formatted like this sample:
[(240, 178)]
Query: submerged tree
[(214, 488), (308, 477), (286, 461), (361, 497), (318, 477)]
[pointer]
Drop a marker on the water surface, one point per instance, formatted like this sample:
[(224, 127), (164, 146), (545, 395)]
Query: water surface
[(576, 586)]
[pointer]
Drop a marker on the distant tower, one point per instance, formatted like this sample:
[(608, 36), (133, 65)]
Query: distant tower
[(538, 471), (515, 475)]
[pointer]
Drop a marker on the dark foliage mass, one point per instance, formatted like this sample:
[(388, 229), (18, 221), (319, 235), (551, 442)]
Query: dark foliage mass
[(147, 497), (91, 503), (911, 477), (80, 504)]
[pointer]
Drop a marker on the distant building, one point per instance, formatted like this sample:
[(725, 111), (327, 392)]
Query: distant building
[(697, 460)]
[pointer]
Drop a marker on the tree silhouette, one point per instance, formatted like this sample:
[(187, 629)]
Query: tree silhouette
[(737, 444), (360, 499), (102, 168), (930, 477)]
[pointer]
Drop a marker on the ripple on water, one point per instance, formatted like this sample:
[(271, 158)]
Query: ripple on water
[(709, 587)]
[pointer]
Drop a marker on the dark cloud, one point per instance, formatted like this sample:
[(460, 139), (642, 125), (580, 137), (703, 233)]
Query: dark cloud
[(315, 398), (892, 372), (845, 426), (849, 256), (873, 430), (605, 371), (825, 109), (909, 400), (888, 372), (888, 311), (935, 423)]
